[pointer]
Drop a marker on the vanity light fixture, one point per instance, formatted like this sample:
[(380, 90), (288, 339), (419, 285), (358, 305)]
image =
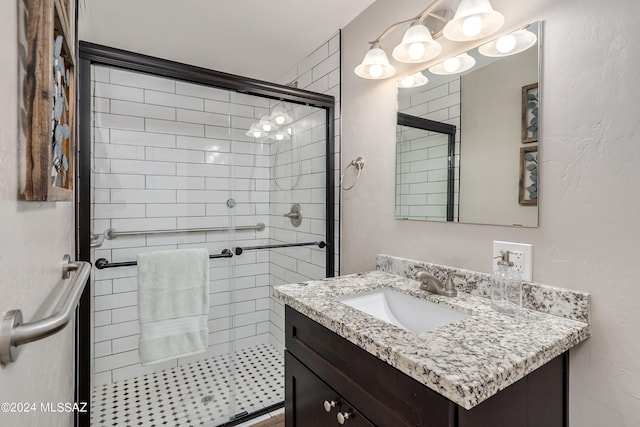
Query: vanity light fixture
[(474, 19), (454, 65), (417, 46), (414, 80), (509, 44)]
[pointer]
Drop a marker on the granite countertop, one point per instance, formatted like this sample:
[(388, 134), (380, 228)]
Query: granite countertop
[(467, 361)]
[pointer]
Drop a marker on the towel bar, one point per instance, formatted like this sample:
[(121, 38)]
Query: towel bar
[(102, 263), (14, 333), (239, 250)]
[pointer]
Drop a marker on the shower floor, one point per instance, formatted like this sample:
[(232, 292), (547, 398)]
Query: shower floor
[(197, 394)]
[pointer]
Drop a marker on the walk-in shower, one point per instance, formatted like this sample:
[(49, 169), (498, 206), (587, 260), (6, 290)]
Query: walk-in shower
[(177, 157)]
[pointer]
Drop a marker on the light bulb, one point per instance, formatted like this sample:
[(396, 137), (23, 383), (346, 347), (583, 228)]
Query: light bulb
[(256, 133), (280, 119), (472, 26), (416, 50), (279, 136), (266, 127), (290, 131), (505, 44), (375, 70), (451, 65), (408, 81)]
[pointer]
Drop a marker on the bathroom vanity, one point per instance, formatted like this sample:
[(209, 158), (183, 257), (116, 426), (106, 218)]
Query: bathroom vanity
[(344, 366)]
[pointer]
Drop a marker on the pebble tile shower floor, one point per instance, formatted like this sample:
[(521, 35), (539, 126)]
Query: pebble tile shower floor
[(197, 394)]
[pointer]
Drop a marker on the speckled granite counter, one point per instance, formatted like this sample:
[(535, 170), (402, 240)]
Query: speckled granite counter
[(466, 362)]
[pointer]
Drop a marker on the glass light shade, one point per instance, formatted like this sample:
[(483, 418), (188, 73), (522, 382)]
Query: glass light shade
[(518, 41), (375, 65), (280, 135), (474, 19), (279, 116), (417, 45), (455, 65), (255, 131), (414, 80), (265, 124)]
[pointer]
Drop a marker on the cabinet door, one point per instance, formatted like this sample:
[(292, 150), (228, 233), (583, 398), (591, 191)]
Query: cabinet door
[(305, 396)]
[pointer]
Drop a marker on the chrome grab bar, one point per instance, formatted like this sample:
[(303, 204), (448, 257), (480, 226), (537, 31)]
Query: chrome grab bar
[(14, 333), (112, 233)]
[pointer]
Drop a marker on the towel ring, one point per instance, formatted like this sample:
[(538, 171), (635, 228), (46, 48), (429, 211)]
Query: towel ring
[(358, 163)]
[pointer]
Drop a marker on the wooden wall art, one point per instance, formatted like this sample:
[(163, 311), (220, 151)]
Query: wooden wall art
[(47, 56)]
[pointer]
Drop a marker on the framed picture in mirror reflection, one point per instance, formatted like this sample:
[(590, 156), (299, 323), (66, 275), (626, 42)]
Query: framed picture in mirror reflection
[(530, 113), (528, 193)]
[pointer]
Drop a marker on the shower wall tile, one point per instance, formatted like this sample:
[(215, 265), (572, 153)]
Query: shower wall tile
[(116, 121), (142, 110), (119, 136), (173, 100), (174, 128), (111, 91), (200, 91), (141, 81)]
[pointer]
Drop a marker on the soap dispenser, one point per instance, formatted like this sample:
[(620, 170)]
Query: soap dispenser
[(506, 287)]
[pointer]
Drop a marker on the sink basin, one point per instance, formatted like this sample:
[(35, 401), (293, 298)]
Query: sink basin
[(413, 314)]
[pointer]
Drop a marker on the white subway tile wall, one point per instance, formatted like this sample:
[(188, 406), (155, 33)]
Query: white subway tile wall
[(168, 155), (422, 156), (319, 72)]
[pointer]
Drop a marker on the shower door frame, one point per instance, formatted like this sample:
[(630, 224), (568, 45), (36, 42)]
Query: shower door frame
[(95, 54)]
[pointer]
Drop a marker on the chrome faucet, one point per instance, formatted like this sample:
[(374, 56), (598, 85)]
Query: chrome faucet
[(430, 283)]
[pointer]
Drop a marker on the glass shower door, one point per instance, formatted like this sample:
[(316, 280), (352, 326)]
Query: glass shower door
[(178, 165)]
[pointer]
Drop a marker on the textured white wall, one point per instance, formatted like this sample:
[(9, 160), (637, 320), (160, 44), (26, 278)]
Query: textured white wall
[(588, 235), (35, 236)]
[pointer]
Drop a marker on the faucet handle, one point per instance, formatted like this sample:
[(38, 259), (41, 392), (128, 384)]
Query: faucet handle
[(449, 284)]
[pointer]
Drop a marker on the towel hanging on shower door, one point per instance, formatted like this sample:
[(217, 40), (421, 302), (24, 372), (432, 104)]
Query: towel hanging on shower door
[(173, 304)]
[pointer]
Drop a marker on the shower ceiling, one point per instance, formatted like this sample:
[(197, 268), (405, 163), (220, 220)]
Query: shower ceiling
[(253, 38)]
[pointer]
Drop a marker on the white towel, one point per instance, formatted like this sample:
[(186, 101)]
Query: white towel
[(173, 304)]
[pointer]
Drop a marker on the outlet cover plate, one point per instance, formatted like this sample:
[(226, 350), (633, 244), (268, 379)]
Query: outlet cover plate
[(521, 255)]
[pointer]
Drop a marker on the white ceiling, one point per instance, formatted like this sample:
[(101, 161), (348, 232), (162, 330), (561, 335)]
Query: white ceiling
[(262, 39)]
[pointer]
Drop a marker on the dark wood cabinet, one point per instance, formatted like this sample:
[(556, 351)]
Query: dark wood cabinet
[(312, 403), (320, 365)]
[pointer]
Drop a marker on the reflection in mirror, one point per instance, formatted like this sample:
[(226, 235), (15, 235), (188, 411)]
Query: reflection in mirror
[(425, 187), (493, 108)]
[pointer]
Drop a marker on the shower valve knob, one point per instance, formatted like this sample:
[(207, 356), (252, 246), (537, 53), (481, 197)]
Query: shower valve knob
[(294, 215)]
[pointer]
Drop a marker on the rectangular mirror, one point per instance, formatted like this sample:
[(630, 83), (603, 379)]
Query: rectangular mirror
[(487, 172)]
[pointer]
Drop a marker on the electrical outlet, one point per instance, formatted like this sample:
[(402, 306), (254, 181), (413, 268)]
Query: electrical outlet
[(520, 254)]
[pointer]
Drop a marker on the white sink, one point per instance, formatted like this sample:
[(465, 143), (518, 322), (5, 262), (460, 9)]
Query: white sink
[(413, 314)]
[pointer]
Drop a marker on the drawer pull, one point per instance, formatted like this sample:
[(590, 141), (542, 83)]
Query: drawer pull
[(342, 417), (330, 405)]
